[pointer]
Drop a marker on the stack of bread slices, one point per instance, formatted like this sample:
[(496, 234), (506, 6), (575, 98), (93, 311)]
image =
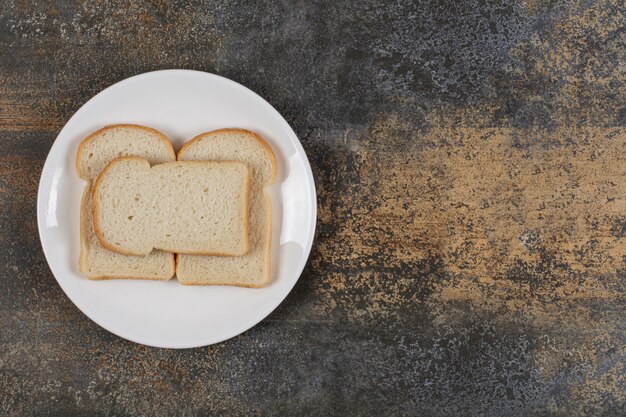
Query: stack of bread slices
[(203, 214)]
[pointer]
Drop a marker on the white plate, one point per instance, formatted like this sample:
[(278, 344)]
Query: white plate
[(181, 104)]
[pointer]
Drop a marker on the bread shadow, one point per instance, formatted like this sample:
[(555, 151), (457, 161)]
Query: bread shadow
[(277, 201)]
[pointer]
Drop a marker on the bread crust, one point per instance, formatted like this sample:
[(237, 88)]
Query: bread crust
[(82, 262), (95, 202), (174, 259), (81, 257), (98, 132), (256, 136)]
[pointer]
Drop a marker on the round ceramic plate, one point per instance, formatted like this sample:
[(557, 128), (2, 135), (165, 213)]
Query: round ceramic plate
[(180, 104)]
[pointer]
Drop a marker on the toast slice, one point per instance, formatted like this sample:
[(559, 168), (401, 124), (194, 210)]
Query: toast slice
[(253, 268), (94, 153), (197, 207)]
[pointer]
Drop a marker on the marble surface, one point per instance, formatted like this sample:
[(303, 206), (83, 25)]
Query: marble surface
[(470, 162)]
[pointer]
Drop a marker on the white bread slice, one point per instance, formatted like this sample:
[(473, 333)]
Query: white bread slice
[(197, 207), (252, 269), (94, 153)]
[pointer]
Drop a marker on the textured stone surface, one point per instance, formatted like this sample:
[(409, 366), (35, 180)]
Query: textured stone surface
[(470, 159)]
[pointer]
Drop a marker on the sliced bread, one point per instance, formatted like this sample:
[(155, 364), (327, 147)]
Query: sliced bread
[(253, 268), (94, 153), (197, 207)]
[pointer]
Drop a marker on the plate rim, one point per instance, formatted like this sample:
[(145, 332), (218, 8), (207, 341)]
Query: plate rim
[(248, 324)]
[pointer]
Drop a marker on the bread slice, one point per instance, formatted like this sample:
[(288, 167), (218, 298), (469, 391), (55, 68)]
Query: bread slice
[(253, 268), (94, 153), (197, 207)]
